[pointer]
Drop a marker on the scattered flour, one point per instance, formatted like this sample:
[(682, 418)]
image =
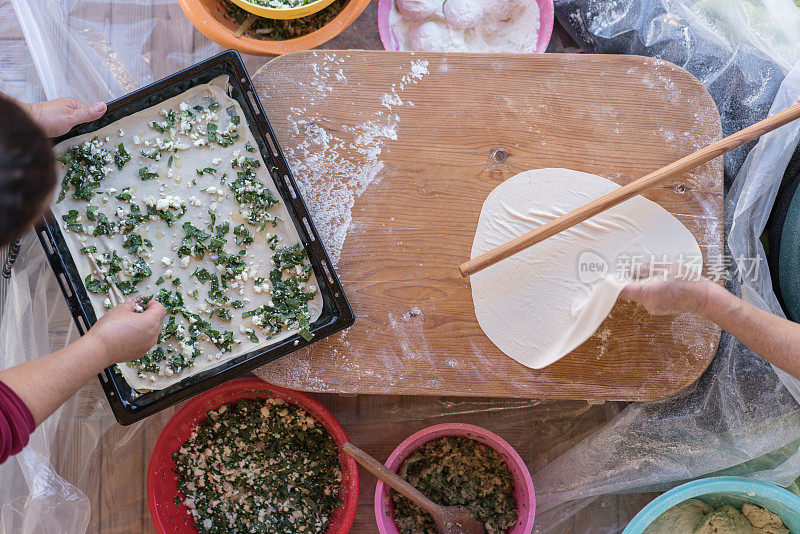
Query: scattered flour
[(391, 100), (466, 25), (335, 163)]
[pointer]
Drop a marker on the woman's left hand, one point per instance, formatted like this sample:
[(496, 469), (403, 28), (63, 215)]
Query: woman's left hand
[(57, 117)]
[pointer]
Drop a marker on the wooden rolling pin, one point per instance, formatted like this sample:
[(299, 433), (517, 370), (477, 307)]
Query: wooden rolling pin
[(626, 192)]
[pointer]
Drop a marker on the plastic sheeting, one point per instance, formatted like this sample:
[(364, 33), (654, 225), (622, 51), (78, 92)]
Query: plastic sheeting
[(31, 487), (739, 418), (740, 50)]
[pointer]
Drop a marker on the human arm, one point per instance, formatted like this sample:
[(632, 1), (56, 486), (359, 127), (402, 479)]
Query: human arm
[(120, 335), (775, 339), (57, 117)]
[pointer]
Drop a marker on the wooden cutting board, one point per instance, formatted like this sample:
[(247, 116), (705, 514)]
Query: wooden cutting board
[(415, 142)]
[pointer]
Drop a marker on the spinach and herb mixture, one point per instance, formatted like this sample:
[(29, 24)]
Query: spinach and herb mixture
[(177, 209), (260, 465), (457, 471), (279, 30)]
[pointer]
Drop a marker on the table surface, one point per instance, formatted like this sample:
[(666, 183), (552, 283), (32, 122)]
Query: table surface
[(113, 475)]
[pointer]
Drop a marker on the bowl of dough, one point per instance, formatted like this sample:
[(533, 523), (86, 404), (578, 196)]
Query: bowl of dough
[(493, 26), (722, 505)]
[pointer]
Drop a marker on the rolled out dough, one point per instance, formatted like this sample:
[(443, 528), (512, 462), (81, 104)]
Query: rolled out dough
[(536, 306)]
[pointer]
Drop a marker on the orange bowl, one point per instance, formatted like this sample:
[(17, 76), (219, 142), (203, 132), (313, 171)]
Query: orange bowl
[(208, 17)]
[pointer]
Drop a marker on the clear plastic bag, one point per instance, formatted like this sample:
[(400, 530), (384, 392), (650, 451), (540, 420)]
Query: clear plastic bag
[(740, 50), (32, 493)]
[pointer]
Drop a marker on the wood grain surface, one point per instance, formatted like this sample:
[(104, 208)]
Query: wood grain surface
[(459, 125)]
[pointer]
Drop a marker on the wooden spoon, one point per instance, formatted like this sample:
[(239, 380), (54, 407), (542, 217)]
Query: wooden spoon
[(448, 519)]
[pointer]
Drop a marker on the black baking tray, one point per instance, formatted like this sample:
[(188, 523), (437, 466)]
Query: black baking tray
[(129, 405)]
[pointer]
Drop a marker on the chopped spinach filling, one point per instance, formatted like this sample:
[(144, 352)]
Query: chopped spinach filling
[(121, 156), (457, 471), (86, 167), (288, 306), (193, 319), (253, 197), (71, 220), (259, 465), (144, 174)]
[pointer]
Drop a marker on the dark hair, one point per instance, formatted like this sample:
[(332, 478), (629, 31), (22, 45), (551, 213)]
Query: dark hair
[(27, 170)]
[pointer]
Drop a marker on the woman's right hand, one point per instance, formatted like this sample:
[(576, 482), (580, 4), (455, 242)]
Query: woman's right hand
[(671, 296), (124, 334)]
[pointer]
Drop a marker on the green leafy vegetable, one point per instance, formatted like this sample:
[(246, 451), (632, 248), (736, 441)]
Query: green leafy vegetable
[(144, 174), (71, 219), (121, 156), (96, 286)]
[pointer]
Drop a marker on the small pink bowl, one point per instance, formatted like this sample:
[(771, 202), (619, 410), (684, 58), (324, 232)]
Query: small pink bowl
[(390, 42), (523, 485)]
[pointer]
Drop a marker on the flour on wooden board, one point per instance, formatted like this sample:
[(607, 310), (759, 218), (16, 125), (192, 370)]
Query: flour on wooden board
[(335, 163)]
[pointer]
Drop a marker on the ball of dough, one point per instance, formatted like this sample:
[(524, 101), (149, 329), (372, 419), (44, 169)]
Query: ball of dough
[(763, 519), (504, 9), (725, 519), (417, 9), (463, 14), (684, 517), (430, 37)]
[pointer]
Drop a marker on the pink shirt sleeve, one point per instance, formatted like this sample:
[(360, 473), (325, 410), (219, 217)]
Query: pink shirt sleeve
[(16, 423)]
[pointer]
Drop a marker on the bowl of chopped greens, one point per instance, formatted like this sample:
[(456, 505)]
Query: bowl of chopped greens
[(247, 456), (229, 25), (463, 465)]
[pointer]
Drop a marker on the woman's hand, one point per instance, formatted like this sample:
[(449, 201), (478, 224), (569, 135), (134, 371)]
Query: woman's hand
[(57, 117), (671, 296), (124, 334)]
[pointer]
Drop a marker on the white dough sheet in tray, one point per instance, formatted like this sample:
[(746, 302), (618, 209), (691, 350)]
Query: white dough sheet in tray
[(181, 202)]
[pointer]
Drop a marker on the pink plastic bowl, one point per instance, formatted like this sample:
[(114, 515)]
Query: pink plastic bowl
[(390, 42), (523, 485)]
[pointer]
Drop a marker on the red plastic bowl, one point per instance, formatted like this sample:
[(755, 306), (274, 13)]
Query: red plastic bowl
[(162, 482)]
